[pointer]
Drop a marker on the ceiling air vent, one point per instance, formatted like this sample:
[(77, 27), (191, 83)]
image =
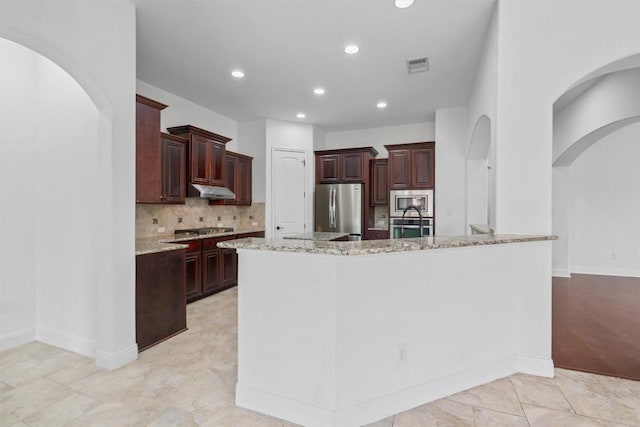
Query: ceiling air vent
[(417, 65)]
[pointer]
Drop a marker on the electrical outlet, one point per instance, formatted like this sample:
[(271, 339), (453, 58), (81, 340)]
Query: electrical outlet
[(614, 256), (220, 224), (160, 229), (254, 224), (403, 354)]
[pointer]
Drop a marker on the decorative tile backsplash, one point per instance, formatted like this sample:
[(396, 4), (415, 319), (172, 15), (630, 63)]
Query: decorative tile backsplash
[(196, 213)]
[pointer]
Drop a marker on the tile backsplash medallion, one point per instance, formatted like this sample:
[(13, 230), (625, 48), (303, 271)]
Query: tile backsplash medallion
[(196, 213)]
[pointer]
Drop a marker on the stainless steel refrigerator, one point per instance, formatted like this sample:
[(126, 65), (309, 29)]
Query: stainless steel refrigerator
[(338, 209)]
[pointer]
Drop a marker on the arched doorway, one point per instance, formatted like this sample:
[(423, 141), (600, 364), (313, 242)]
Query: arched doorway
[(50, 162), (596, 190), (481, 178)]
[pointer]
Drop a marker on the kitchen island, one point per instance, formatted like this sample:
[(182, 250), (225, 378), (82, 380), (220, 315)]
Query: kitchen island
[(346, 333)]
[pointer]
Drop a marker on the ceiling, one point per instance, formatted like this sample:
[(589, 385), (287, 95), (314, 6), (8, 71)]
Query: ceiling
[(288, 47)]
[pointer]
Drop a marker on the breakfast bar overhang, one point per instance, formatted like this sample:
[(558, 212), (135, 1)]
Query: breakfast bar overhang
[(347, 333)]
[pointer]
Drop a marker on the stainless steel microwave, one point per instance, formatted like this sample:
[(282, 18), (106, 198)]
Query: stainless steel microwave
[(400, 200)]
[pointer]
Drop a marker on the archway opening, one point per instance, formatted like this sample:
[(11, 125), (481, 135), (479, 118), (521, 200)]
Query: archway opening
[(596, 206), (481, 179), (48, 167)]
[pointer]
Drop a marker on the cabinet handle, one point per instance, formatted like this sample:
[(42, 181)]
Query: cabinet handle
[(278, 228)]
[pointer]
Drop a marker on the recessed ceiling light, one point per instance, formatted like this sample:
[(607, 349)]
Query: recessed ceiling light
[(381, 105), (319, 91), (238, 74), (301, 115), (402, 4), (351, 49)]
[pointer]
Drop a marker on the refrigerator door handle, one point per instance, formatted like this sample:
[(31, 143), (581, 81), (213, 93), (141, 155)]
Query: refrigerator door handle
[(332, 207)]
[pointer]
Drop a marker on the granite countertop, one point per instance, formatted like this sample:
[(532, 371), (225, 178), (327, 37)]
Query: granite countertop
[(318, 236), (368, 247), (171, 242)]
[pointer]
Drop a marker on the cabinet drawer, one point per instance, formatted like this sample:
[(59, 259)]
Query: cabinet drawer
[(193, 245)]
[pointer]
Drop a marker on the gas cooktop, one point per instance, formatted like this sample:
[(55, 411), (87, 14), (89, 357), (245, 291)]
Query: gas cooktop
[(205, 231)]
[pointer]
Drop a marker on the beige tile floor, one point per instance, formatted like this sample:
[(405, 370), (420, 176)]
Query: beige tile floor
[(190, 379)]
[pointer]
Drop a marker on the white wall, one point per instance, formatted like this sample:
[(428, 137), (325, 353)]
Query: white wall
[(17, 212), (379, 137), (296, 136), (66, 123), (544, 47), (450, 195), (561, 211), (605, 206), (46, 28), (252, 138), (181, 111)]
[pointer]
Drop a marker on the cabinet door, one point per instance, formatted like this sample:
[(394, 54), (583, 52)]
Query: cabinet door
[(173, 171), (194, 274), (352, 167), (217, 163), (328, 168), (211, 273), (243, 181), (230, 177), (399, 169), (229, 267), (422, 167), (200, 164), (379, 182)]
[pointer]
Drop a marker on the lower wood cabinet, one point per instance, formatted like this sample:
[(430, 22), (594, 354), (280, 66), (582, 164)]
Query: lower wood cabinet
[(210, 269), (161, 309)]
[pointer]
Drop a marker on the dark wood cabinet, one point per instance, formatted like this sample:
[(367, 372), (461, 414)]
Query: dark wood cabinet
[(411, 166), (377, 234), (161, 310), (238, 178), (399, 169), (174, 173), (210, 269), (422, 167), (160, 157), (353, 166), (244, 186), (350, 165), (328, 168), (379, 182), (205, 156)]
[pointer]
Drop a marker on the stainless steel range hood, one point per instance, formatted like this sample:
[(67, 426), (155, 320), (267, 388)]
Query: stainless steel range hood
[(214, 192)]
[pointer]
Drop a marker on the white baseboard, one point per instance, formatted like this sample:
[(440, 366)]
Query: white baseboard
[(605, 271), (110, 361), (17, 338), (560, 272), (77, 344), (393, 403), (535, 366)]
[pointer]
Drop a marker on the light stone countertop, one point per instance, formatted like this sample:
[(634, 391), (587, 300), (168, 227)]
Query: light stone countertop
[(369, 247), (171, 242), (318, 236)]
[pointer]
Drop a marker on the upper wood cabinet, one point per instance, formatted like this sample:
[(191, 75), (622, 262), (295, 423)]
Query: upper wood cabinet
[(379, 182), (205, 156), (174, 171), (160, 158), (411, 166), (343, 166), (238, 177)]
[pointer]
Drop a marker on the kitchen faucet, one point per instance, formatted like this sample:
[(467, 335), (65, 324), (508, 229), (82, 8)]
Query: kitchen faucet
[(404, 212)]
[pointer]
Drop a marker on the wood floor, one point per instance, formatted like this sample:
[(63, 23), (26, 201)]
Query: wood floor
[(596, 324)]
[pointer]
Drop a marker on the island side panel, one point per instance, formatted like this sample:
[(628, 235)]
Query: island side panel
[(286, 310), (415, 327)]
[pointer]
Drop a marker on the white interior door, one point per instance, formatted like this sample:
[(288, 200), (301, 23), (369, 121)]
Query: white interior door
[(289, 204)]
